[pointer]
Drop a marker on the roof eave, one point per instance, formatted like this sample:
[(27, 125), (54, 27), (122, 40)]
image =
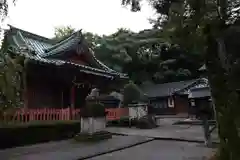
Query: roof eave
[(35, 36)]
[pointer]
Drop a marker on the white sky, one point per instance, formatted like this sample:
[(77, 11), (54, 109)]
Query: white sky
[(97, 16)]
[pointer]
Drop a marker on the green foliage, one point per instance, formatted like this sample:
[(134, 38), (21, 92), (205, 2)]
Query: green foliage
[(10, 81), (155, 59), (147, 122), (202, 27), (4, 12), (11, 69), (151, 53), (63, 32), (4, 8), (132, 93)]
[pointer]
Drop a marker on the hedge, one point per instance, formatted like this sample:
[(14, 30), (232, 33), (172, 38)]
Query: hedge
[(18, 135)]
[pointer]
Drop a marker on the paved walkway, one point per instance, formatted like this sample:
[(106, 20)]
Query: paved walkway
[(154, 149), (177, 132), (70, 150), (161, 150)]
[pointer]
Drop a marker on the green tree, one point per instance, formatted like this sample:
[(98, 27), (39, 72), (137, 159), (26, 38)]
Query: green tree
[(211, 28), (63, 32), (11, 72), (152, 56), (4, 5), (132, 93), (4, 8), (147, 49)]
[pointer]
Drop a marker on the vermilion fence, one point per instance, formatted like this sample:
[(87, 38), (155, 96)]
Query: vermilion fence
[(46, 114), (49, 114), (117, 113)]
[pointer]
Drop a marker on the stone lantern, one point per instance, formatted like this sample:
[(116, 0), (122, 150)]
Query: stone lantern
[(93, 118)]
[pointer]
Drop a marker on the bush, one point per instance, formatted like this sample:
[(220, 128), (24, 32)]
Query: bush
[(147, 122), (133, 94), (32, 133)]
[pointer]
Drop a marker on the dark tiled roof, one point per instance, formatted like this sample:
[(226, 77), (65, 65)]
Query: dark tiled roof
[(57, 62), (165, 89), (34, 42), (64, 45), (200, 92), (41, 49)]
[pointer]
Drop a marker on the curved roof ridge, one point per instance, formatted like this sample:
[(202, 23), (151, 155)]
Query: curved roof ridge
[(77, 34), (102, 65)]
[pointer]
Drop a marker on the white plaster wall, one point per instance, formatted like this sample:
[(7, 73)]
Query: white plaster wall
[(137, 112)]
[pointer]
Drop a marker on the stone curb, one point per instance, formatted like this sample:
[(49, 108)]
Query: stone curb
[(170, 139), (182, 140), (117, 149), (192, 123)]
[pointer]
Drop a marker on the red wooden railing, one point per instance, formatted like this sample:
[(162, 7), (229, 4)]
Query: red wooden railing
[(46, 114), (50, 114), (116, 113)]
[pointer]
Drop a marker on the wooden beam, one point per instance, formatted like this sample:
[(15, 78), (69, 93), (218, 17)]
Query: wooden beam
[(72, 96)]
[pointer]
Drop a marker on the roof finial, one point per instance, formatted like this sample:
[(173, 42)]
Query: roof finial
[(79, 33)]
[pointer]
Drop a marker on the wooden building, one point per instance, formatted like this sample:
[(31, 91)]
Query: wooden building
[(173, 98), (60, 75), (163, 99), (200, 95)]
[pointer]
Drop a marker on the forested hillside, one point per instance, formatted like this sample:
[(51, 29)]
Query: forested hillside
[(146, 56)]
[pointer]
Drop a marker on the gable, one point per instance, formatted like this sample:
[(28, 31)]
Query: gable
[(35, 43), (48, 51)]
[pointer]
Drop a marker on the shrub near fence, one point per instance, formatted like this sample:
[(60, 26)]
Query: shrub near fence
[(31, 133), (42, 125)]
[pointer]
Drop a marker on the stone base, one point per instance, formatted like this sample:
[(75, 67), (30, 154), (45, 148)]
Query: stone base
[(95, 137), (93, 124)]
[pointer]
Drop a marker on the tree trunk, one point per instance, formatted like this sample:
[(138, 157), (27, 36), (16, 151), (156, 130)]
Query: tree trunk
[(223, 82)]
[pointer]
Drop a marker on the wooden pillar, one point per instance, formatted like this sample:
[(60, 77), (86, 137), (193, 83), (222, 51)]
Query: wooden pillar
[(72, 100), (25, 98), (62, 101)]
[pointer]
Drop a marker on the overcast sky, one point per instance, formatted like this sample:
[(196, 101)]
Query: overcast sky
[(97, 16)]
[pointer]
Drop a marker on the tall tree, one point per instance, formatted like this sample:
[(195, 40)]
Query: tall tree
[(210, 27), (11, 71), (154, 60), (4, 5), (4, 8), (11, 68)]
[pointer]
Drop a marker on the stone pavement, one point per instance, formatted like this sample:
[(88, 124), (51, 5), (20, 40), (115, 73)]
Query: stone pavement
[(70, 150), (189, 133), (161, 150)]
